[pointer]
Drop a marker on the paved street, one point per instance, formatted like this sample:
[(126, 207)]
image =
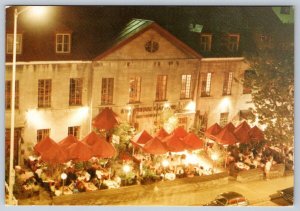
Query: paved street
[(256, 192)]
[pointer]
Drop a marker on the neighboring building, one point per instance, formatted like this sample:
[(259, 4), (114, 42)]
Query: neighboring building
[(68, 72)]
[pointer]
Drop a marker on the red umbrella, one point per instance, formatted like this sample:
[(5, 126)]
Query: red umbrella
[(106, 120), (161, 133), (180, 132), (100, 147), (225, 137), (79, 151), (192, 142), (142, 137), (154, 146), (43, 145), (91, 138), (54, 155), (213, 130), (66, 142), (256, 134), (241, 132), (174, 144), (103, 149), (230, 126)]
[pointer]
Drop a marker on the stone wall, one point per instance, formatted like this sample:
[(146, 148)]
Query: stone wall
[(147, 192)]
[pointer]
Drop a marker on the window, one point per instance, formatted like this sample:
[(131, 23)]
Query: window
[(285, 10), (63, 43), (107, 91), (44, 93), (205, 84), (10, 43), (75, 95), (227, 83), (205, 42), (186, 87), (134, 89), (17, 140), (75, 131), (8, 95), (233, 41), (223, 119), (41, 134), (161, 87)]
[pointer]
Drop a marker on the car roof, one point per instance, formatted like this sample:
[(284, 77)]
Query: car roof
[(231, 195)]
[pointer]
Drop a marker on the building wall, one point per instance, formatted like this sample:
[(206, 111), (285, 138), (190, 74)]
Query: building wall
[(60, 115), (216, 103)]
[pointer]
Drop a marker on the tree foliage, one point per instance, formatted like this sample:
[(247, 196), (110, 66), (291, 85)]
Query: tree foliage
[(272, 84)]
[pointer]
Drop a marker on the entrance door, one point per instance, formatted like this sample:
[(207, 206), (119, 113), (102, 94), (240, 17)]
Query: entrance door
[(17, 140)]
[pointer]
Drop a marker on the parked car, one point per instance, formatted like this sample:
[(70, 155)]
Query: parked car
[(229, 199), (287, 194)]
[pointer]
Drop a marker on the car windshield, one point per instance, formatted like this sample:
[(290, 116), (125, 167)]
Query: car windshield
[(221, 200)]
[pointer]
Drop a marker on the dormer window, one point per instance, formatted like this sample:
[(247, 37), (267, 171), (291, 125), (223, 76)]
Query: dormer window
[(205, 42), (63, 43), (10, 43), (233, 41)]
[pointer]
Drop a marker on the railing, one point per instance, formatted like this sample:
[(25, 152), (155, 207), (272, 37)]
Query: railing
[(15, 201)]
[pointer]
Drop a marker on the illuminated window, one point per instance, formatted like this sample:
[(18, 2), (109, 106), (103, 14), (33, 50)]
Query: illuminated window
[(186, 87), (223, 119), (75, 131), (134, 89), (63, 43), (8, 95), (233, 41), (17, 140), (107, 91), (205, 43), (10, 41), (41, 134), (227, 83), (44, 93), (75, 94), (161, 88), (205, 84)]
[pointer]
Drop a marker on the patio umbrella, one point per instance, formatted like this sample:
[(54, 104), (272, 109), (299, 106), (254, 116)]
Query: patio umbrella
[(106, 119), (66, 142), (103, 149), (141, 138), (155, 146), (226, 137), (43, 145), (192, 142), (100, 147), (161, 133), (173, 143), (256, 134), (213, 130), (79, 151), (180, 132), (54, 155), (230, 126), (242, 132)]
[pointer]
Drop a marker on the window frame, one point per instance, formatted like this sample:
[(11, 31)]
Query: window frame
[(186, 86), (44, 93), (205, 46), (224, 118), (42, 133), (233, 46), (227, 83), (63, 43), (10, 43), (8, 94), (75, 91), (107, 91), (207, 87), (75, 131), (134, 89), (161, 88)]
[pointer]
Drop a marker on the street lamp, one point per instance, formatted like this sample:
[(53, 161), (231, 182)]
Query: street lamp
[(126, 169), (12, 117), (63, 176)]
